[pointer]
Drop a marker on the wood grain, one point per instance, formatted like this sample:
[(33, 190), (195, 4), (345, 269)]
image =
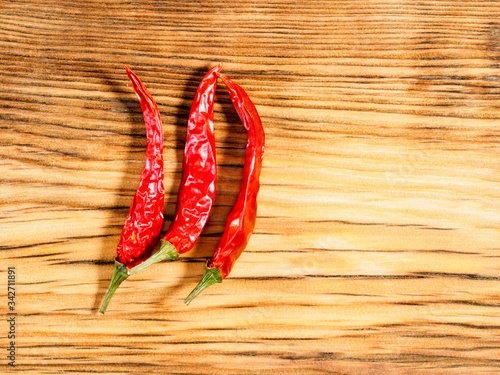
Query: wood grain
[(376, 248)]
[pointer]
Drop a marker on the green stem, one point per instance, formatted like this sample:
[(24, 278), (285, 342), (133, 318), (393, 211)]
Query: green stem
[(167, 252), (211, 276), (120, 273)]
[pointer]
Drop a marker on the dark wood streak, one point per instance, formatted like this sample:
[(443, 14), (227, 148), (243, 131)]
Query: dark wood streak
[(34, 255), (93, 262), (473, 326), (365, 251), (458, 275)]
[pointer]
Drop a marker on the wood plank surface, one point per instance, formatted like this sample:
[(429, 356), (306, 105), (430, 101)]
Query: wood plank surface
[(377, 243)]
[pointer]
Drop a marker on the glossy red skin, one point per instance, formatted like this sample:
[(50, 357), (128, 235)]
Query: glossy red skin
[(241, 220), (145, 218), (199, 172)]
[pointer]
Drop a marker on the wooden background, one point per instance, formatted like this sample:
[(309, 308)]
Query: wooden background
[(377, 244)]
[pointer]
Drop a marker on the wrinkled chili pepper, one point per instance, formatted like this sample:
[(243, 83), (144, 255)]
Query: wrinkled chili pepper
[(199, 174), (145, 217), (241, 220)]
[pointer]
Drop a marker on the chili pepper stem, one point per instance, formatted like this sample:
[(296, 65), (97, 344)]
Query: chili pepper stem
[(167, 252), (211, 276), (120, 273)]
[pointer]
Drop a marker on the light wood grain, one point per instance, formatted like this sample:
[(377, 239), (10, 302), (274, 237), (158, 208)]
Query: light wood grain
[(377, 243)]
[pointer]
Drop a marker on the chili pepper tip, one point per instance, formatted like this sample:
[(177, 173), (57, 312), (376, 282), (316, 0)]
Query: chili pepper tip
[(127, 68)]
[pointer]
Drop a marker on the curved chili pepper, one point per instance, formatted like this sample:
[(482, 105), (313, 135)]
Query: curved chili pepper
[(145, 217), (199, 174), (241, 220)]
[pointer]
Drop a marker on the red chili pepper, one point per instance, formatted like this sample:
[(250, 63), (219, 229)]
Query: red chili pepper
[(241, 220), (199, 174), (145, 217)]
